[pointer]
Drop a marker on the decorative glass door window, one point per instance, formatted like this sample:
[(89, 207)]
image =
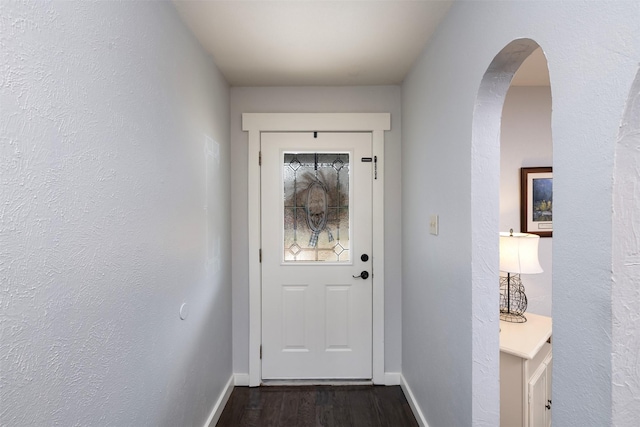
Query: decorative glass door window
[(316, 207)]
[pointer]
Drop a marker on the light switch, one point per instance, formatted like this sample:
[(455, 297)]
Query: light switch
[(433, 225)]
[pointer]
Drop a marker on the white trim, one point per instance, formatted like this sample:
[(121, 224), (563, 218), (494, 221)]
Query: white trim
[(255, 295), (378, 259), (241, 380), (276, 383), (255, 123), (214, 416), (305, 122), (392, 378), (412, 402)]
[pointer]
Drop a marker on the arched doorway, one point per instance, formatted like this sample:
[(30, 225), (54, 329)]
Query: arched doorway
[(526, 142), (485, 204)]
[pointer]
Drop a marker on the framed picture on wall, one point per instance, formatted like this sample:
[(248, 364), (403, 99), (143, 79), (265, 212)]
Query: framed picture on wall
[(536, 201)]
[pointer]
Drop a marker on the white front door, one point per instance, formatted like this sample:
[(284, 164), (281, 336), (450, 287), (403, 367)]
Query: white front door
[(316, 201)]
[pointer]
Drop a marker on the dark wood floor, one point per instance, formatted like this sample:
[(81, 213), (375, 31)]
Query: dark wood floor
[(300, 406)]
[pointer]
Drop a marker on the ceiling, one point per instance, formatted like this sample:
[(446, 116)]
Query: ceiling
[(314, 42)]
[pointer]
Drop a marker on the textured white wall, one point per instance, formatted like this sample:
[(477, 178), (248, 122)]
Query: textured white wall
[(593, 49), (525, 141), (626, 267), (103, 233), (315, 100)]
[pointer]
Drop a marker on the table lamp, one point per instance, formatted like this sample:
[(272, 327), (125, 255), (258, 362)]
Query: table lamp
[(518, 255)]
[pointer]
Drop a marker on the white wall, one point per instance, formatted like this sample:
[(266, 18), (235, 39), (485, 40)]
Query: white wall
[(593, 49), (626, 266), (103, 233), (315, 100), (525, 141)]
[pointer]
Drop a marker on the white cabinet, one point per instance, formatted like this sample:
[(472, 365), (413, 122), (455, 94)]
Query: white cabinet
[(540, 395), (525, 372)]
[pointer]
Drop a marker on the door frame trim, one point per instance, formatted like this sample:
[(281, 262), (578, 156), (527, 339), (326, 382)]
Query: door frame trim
[(254, 124)]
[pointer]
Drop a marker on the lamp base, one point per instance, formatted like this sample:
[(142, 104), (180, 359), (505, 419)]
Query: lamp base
[(513, 300), (512, 317)]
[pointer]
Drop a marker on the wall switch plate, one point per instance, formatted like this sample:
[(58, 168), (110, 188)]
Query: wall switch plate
[(433, 225)]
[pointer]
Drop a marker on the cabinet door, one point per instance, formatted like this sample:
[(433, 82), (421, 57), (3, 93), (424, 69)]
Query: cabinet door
[(538, 398), (549, 405)]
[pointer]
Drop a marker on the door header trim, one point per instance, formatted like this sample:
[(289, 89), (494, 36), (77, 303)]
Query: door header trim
[(320, 122)]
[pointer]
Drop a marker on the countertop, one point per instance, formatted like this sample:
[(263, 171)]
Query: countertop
[(525, 339)]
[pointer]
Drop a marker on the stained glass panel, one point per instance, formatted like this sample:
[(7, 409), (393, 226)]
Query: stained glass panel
[(316, 207)]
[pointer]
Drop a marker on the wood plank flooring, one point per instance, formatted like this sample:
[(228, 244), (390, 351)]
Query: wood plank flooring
[(302, 406)]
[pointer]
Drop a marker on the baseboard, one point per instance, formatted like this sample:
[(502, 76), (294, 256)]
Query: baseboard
[(220, 403), (392, 378), (412, 402), (271, 383), (241, 379)]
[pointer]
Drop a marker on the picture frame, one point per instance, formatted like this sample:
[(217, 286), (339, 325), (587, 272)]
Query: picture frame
[(536, 201)]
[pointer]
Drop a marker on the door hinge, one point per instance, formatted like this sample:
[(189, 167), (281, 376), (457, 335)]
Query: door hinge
[(260, 254), (259, 158), (260, 352)]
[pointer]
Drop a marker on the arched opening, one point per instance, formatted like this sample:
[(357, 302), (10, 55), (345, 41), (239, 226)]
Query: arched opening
[(486, 202), (526, 160), (526, 142), (625, 290)]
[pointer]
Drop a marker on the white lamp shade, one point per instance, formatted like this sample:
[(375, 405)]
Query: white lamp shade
[(519, 253)]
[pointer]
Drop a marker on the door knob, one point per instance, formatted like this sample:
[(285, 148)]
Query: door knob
[(363, 275)]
